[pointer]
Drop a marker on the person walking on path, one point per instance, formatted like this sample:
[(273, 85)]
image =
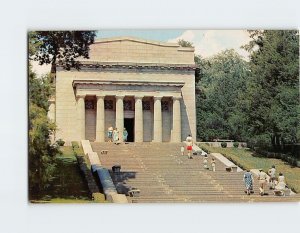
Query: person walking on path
[(248, 180), (213, 164), (125, 135), (189, 141), (205, 162), (116, 136), (272, 174), (262, 180), (110, 133)]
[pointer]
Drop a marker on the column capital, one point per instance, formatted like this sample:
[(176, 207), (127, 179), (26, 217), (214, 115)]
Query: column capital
[(157, 97), (138, 97), (120, 97), (100, 96), (176, 97)]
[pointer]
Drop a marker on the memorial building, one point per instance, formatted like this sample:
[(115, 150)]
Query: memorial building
[(147, 87)]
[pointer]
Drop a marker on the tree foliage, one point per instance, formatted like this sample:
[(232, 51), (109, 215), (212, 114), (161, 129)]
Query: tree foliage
[(48, 47), (255, 101), (41, 152), (63, 47), (185, 43), (273, 90), (223, 79)]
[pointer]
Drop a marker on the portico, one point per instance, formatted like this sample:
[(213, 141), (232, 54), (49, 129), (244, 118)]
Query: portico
[(128, 103), (148, 87)]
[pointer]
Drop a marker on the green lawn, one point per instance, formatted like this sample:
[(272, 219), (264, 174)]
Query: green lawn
[(67, 151), (244, 158)]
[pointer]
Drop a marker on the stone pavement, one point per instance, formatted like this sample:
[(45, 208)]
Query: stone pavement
[(162, 175)]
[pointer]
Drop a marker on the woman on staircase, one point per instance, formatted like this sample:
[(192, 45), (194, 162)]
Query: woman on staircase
[(248, 180)]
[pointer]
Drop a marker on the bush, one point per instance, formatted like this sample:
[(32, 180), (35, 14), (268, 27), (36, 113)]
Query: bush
[(60, 142), (75, 145), (224, 144), (236, 144)]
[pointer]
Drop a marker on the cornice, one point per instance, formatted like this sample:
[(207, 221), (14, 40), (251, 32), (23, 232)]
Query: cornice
[(76, 83), (95, 65)]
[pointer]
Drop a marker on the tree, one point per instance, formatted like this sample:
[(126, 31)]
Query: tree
[(63, 47), (272, 93), (219, 114), (41, 154), (48, 47), (185, 43)]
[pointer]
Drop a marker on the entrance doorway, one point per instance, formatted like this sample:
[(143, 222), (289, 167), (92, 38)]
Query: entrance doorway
[(129, 125)]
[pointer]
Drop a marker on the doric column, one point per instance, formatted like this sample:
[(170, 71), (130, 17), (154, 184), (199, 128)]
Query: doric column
[(138, 120), (120, 116), (81, 116), (176, 132), (157, 120), (100, 119)]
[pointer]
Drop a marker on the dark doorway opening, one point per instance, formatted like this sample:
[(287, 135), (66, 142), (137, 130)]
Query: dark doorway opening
[(129, 125)]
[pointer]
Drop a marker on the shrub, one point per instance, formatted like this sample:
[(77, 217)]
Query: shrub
[(224, 144), (75, 145), (60, 142), (236, 144)]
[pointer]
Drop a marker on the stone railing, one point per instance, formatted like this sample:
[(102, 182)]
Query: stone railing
[(103, 175)]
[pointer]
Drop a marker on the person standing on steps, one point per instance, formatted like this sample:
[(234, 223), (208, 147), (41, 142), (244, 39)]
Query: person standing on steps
[(262, 180), (125, 135), (116, 136), (281, 185), (248, 180), (182, 150), (189, 141), (110, 133), (213, 164), (272, 174), (205, 162)]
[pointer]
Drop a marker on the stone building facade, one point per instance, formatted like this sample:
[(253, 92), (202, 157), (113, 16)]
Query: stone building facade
[(148, 87)]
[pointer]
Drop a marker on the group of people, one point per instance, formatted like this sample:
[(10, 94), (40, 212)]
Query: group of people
[(189, 148), (212, 163), (113, 135), (278, 184)]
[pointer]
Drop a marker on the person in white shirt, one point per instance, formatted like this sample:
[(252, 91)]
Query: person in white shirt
[(272, 174), (205, 162), (182, 150), (213, 164), (189, 141), (281, 182), (262, 180)]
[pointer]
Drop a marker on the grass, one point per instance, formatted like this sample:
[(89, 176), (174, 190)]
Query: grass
[(67, 151), (244, 158)]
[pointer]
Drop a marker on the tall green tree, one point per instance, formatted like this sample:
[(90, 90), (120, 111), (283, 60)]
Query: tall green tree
[(273, 90), (63, 47), (219, 114), (41, 154), (48, 47)]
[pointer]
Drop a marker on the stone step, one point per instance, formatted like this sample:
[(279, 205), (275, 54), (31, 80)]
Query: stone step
[(163, 175)]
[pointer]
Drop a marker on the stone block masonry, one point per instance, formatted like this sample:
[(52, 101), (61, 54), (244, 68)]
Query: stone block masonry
[(151, 83)]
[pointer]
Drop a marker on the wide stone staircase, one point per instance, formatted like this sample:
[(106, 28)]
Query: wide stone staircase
[(162, 175)]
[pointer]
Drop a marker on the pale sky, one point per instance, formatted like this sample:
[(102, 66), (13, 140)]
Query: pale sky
[(207, 42)]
